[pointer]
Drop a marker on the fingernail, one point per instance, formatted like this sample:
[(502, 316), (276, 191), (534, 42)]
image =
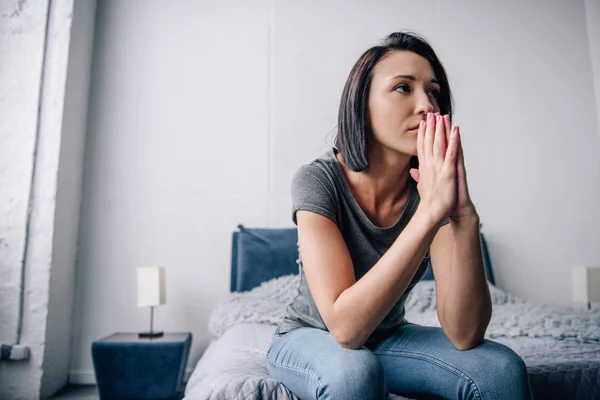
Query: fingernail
[(428, 115), (420, 123)]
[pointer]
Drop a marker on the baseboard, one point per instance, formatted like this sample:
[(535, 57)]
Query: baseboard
[(87, 377), (82, 377)]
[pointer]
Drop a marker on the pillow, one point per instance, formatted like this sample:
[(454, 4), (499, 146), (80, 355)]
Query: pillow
[(261, 254)]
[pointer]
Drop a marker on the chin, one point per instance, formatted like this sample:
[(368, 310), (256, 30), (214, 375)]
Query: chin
[(410, 145), (404, 150), (405, 146), (411, 149)]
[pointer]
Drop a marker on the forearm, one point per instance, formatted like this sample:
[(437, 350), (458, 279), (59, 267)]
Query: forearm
[(467, 307), (361, 308)]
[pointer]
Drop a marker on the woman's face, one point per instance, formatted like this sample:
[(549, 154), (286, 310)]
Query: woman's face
[(403, 90)]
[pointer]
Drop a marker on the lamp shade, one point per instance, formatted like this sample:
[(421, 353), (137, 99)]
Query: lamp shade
[(586, 284), (151, 286)]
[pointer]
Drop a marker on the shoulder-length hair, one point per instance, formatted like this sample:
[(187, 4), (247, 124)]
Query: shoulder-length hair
[(351, 139)]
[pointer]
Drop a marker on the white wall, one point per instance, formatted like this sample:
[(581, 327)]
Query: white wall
[(177, 156), (19, 98), (20, 80), (202, 111), (71, 126), (45, 50), (592, 14)]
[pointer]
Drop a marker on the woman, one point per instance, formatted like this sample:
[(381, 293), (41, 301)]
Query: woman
[(371, 213)]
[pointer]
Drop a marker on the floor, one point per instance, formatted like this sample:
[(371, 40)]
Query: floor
[(77, 392), (83, 392)]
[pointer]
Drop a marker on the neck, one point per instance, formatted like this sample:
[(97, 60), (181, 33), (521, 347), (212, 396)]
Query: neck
[(385, 181)]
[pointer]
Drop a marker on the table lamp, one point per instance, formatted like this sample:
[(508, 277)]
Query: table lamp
[(586, 285), (151, 293)]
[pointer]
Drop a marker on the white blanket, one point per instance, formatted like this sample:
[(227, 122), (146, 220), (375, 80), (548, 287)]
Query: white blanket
[(511, 317)]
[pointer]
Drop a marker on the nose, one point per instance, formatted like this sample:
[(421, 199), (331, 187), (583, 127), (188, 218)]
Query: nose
[(423, 104)]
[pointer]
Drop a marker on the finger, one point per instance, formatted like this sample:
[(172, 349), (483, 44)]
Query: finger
[(420, 140), (452, 153), (438, 145), (428, 139), (461, 158), (415, 174), (448, 127)]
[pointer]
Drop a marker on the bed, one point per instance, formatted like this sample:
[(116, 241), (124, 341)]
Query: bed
[(560, 345)]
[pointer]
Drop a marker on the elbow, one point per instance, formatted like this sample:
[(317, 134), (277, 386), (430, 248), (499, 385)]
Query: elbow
[(467, 337), (465, 346), (467, 342), (348, 338), (350, 345)]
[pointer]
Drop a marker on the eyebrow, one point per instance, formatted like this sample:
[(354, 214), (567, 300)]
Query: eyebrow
[(412, 78)]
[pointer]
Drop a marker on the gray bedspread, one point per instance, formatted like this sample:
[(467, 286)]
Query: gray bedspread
[(560, 345), (234, 367)]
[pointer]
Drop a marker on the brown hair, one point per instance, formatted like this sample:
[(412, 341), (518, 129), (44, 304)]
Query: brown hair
[(351, 139)]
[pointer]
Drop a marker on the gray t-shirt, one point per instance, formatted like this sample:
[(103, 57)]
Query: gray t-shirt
[(320, 187)]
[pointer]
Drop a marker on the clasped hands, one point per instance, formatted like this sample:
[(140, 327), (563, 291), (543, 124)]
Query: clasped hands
[(441, 176)]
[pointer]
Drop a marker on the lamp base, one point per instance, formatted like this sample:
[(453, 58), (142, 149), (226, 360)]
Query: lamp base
[(150, 335)]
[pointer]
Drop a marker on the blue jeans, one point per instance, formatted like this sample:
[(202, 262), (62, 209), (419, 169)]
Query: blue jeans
[(415, 361)]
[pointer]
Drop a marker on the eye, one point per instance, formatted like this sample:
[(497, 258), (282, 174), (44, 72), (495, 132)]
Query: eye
[(402, 86), (435, 93), (405, 88)]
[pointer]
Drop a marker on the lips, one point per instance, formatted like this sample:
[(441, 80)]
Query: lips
[(415, 127)]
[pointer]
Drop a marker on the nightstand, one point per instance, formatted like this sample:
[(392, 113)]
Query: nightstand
[(128, 367)]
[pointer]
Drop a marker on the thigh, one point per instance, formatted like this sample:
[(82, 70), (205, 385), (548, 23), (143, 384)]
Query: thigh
[(420, 361), (312, 365)]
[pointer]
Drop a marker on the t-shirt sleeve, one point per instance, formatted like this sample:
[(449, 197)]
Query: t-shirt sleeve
[(313, 191)]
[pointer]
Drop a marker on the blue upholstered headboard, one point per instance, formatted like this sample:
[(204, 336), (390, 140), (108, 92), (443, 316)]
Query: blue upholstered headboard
[(261, 254)]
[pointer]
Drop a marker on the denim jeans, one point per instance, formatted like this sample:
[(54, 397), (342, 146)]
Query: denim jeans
[(415, 361)]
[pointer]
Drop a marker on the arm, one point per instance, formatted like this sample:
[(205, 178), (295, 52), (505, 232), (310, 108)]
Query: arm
[(353, 309), (464, 305)]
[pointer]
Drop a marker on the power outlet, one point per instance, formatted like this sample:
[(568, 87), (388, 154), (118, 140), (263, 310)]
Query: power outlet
[(15, 352)]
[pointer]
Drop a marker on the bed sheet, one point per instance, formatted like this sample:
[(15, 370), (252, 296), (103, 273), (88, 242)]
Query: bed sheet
[(234, 367), (559, 369)]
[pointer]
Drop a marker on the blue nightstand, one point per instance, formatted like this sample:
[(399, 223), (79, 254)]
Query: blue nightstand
[(131, 368)]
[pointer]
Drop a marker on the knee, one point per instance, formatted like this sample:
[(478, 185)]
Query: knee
[(505, 376), (510, 364), (360, 375)]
